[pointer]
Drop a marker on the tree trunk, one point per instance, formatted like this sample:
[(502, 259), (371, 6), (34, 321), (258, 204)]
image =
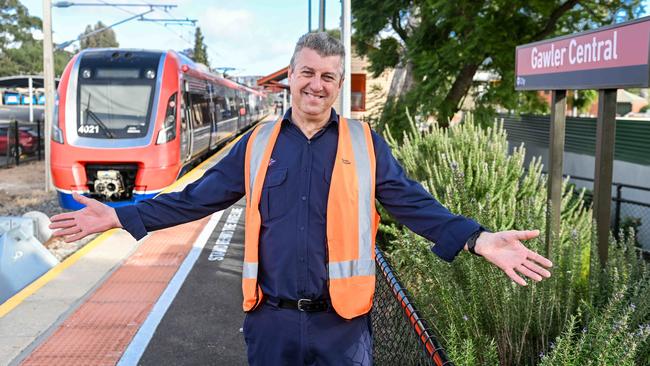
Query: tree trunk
[(402, 81), (458, 90)]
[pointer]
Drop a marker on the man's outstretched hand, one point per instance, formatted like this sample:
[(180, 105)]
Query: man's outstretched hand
[(96, 217), (505, 250)]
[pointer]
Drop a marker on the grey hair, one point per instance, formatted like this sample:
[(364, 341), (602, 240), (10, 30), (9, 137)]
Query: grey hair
[(321, 42)]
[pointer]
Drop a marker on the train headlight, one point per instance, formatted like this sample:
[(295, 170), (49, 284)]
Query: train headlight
[(86, 74), (168, 131), (57, 134), (150, 74), (165, 135)]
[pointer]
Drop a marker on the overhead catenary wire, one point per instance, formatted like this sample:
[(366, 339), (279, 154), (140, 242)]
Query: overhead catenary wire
[(162, 25)]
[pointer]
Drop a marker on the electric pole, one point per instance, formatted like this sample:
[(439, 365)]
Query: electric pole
[(346, 34), (48, 81), (321, 17)]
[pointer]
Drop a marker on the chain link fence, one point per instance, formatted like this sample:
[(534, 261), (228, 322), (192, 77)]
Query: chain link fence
[(401, 336), (630, 210)]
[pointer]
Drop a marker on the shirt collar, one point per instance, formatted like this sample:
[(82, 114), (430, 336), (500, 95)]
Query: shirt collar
[(334, 117)]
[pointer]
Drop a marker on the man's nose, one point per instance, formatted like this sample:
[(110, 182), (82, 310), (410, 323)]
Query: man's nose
[(315, 83)]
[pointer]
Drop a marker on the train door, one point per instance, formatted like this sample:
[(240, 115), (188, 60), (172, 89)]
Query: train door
[(199, 110), (186, 125), (214, 134)]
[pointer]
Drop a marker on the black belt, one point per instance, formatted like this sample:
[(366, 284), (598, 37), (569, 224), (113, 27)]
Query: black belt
[(306, 305)]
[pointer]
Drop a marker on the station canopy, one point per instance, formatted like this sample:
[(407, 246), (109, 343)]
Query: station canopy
[(22, 81), (272, 82)]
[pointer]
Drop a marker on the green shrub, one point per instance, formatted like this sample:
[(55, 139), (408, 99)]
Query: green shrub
[(481, 316)]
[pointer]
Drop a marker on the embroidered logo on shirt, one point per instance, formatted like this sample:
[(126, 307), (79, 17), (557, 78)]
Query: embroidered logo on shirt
[(271, 162), (345, 161)]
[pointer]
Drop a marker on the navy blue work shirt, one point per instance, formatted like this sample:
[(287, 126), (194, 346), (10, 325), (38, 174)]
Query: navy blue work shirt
[(293, 206)]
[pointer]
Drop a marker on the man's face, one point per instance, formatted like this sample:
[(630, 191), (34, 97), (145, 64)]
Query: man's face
[(315, 83)]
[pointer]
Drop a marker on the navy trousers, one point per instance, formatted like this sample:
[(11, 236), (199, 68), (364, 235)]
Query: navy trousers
[(276, 336)]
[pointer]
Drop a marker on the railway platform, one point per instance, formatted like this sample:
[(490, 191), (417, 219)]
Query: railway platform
[(172, 298)]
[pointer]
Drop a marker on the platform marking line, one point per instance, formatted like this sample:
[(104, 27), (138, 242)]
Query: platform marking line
[(30, 289), (136, 348)]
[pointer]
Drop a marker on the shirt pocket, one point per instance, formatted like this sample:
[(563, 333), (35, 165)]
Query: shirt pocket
[(274, 194)]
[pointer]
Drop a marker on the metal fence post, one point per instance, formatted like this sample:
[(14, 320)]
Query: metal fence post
[(617, 214), (39, 145), (16, 143)]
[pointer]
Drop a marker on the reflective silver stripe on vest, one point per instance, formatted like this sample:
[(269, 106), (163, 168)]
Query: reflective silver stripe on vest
[(348, 269), (259, 146), (250, 270), (362, 159), (365, 265)]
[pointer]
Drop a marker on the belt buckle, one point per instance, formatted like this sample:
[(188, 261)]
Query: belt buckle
[(302, 302)]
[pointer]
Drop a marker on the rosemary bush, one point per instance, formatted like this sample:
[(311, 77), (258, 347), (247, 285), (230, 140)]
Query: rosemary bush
[(582, 315)]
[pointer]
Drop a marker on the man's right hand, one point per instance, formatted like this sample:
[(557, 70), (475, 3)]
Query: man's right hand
[(96, 217)]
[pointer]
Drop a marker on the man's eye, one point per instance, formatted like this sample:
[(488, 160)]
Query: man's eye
[(307, 73)]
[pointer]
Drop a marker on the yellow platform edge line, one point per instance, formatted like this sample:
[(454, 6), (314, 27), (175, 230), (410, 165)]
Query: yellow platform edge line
[(30, 289)]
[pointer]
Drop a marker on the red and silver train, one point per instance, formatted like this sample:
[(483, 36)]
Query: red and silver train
[(128, 123)]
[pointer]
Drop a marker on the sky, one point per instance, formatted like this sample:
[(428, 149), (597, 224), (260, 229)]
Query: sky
[(254, 36)]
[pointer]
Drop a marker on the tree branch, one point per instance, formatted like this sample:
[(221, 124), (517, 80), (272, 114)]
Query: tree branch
[(554, 17), (460, 87), (394, 22)]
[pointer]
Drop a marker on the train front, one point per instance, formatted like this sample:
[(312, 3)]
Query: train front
[(114, 135)]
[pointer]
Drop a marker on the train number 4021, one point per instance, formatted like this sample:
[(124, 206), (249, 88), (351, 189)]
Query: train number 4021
[(88, 129)]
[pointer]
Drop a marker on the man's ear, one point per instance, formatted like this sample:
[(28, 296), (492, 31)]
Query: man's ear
[(289, 73)]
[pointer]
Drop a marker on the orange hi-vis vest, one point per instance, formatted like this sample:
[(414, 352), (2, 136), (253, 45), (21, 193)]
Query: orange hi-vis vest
[(352, 219)]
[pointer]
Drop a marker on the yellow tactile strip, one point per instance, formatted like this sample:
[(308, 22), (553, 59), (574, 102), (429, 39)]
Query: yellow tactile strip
[(99, 331)]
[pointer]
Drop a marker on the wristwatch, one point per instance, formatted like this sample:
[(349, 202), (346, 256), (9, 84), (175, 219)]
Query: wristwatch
[(471, 242)]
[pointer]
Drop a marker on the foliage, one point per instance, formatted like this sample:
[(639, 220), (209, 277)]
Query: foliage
[(98, 37), (16, 24), (20, 53), (475, 309), (443, 44), (28, 60), (630, 229), (583, 99), (200, 51)]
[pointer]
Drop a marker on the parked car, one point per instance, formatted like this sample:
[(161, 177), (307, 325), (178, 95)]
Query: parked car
[(27, 139)]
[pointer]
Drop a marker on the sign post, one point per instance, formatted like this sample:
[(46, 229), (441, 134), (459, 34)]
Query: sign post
[(556, 155), (606, 59)]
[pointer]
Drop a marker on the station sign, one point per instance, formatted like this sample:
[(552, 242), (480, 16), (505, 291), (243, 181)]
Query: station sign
[(611, 57)]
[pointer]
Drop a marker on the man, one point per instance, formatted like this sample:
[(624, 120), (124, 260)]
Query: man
[(310, 181)]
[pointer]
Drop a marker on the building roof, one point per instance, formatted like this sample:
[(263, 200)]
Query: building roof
[(624, 96), (22, 81)]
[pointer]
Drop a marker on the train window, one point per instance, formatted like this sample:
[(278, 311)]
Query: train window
[(221, 106), (200, 107)]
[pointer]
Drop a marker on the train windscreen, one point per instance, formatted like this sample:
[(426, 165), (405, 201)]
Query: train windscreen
[(116, 92), (114, 110)]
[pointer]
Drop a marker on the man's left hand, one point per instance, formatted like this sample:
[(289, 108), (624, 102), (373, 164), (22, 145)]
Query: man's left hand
[(505, 250)]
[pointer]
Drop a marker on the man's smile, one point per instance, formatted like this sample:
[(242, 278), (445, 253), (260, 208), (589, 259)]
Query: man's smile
[(313, 95)]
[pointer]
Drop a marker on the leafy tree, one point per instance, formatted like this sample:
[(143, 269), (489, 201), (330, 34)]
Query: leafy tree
[(20, 53), (28, 59), (99, 38), (438, 46), (200, 51)]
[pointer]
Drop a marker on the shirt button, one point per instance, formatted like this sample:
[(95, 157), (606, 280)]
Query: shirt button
[(304, 198), (302, 228), (302, 259)]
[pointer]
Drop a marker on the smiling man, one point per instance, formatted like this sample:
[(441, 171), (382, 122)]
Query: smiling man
[(311, 180)]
